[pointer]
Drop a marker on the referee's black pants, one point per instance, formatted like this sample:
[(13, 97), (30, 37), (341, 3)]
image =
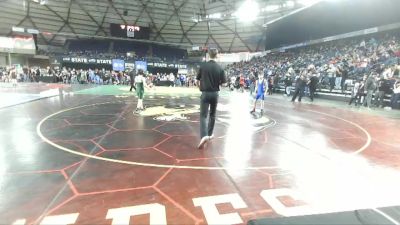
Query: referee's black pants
[(298, 92), (208, 107), (312, 92)]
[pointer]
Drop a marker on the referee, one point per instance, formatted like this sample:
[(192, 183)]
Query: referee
[(132, 75), (210, 77)]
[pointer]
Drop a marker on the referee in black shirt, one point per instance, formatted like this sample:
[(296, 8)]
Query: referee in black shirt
[(132, 75), (210, 77)]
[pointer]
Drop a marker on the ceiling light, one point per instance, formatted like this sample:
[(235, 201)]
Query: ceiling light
[(42, 2), (271, 8), (248, 11), (214, 16), (196, 19), (290, 4)]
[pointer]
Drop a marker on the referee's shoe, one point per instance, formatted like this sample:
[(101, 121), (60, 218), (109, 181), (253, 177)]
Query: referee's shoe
[(203, 141)]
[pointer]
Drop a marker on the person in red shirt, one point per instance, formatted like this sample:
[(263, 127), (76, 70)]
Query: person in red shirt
[(241, 83)]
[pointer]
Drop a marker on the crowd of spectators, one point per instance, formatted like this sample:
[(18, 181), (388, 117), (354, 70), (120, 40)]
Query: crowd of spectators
[(91, 76), (370, 62), (117, 55), (181, 80), (106, 77), (14, 75), (363, 68)]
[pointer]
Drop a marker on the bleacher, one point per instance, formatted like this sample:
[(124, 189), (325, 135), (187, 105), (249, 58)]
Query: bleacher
[(324, 93), (120, 48), (350, 59), (123, 47), (85, 46)]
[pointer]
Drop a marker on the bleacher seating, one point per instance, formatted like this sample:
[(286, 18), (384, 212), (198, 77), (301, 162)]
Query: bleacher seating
[(347, 59), (100, 46), (120, 48)]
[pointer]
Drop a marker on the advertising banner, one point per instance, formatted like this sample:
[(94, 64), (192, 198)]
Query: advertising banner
[(118, 65), (141, 65), (17, 45), (86, 60)]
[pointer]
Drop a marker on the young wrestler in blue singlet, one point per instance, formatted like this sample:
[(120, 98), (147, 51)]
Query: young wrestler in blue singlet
[(261, 88)]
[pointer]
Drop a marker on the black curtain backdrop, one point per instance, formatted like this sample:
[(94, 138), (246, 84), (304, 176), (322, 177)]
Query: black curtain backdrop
[(155, 70)]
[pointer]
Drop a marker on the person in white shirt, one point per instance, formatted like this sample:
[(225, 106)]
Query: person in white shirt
[(291, 71), (394, 101), (354, 93), (13, 75), (232, 83), (332, 76), (363, 44), (388, 72), (171, 78)]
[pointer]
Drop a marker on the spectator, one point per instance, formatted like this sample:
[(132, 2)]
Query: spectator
[(370, 87), (355, 93), (288, 84), (394, 102), (382, 89), (313, 84), (299, 91)]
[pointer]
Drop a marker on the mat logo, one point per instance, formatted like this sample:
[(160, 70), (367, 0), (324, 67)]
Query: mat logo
[(158, 216), (179, 112), (171, 112), (174, 117)]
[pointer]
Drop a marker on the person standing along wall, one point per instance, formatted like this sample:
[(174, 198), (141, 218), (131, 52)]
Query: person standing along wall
[(241, 82), (300, 85), (345, 75), (288, 84), (370, 87), (394, 101), (270, 84), (332, 75), (338, 79), (355, 93), (383, 89), (312, 84), (252, 85)]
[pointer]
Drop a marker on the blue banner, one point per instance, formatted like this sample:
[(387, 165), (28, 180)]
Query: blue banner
[(118, 65), (141, 65)]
